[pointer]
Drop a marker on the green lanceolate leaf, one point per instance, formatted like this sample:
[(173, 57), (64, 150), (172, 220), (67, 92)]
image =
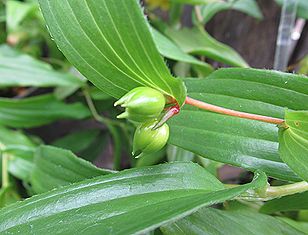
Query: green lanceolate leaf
[(110, 43), (293, 142), (171, 51), (197, 41), (128, 202), (212, 221), (39, 110), (289, 203), (23, 70), (245, 143), (55, 167), (250, 7)]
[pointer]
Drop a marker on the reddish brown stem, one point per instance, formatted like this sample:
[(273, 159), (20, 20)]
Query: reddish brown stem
[(230, 112)]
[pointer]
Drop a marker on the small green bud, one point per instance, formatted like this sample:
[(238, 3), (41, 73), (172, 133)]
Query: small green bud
[(149, 140), (142, 104)]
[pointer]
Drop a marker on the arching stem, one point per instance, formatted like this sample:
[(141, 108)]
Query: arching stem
[(230, 112)]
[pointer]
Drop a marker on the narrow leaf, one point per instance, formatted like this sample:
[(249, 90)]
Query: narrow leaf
[(197, 41), (293, 142), (171, 51), (110, 43), (128, 202)]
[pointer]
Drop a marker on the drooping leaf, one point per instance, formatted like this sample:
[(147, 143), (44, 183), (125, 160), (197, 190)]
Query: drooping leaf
[(293, 202), (171, 51), (250, 7), (110, 43), (240, 142), (23, 70), (128, 202), (197, 41), (55, 167), (293, 142), (39, 110), (212, 221)]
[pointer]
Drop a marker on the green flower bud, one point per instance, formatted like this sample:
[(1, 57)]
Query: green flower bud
[(142, 104), (148, 140)]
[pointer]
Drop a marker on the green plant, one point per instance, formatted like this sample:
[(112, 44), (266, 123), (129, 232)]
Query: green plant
[(251, 118)]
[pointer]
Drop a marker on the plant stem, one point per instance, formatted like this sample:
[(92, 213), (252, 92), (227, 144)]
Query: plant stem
[(274, 192), (279, 191), (5, 173), (198, 14), (230, 112), (108, 123)]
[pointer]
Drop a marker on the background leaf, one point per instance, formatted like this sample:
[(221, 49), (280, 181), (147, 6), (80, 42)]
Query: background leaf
[(245, 143), (54, 167), (250, 7), (171, 51), (141, 200), (293, 142), (39, 110), (109, 42), (23, 70), (289, 203), (197, 41), (212, 221)]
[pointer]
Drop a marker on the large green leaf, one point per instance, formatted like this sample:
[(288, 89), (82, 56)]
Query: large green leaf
[(245, 143), (293, 142), (128, 202), (39, 110), (198, 42), (249, 7), (110, 43), (212, 221), (23, 70), (293, 202), (171, 51), (55, 167)]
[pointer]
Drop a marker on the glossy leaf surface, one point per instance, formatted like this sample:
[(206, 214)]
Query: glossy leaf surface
[(131, 201), (245, 143), (110, 43)]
